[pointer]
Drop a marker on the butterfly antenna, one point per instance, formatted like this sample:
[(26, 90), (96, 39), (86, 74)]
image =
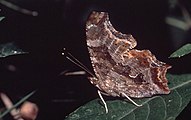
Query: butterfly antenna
[(74, 60)]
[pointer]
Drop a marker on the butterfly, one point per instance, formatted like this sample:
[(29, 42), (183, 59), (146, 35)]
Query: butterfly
[(120, 70)]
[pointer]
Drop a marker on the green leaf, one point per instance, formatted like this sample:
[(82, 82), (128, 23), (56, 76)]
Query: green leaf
[(161, 107), (1, 18), (10, 49), (186, 49), (17, 104)]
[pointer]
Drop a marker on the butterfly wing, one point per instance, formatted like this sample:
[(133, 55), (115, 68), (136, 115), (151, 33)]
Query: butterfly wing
[(118, 67)]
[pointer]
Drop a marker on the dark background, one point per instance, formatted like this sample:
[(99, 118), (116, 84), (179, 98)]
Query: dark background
[(61, 23)]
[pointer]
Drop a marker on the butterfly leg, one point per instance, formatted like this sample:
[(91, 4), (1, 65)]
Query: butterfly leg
[(105, 105), (131, 100), (103, 93)]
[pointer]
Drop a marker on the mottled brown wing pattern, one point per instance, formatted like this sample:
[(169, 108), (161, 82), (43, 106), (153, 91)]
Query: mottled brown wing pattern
[(118, 67)]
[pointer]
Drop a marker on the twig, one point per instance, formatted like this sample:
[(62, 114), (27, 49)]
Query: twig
[(17, 8), (184, 24), (9, 105)]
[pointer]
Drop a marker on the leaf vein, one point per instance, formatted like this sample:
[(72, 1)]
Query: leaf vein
[(133, 116), (180, 99), (148, 111), (165, 113), (138, 107), (180, 85)]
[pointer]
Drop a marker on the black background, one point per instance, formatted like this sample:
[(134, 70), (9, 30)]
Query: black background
[(61, 23)]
